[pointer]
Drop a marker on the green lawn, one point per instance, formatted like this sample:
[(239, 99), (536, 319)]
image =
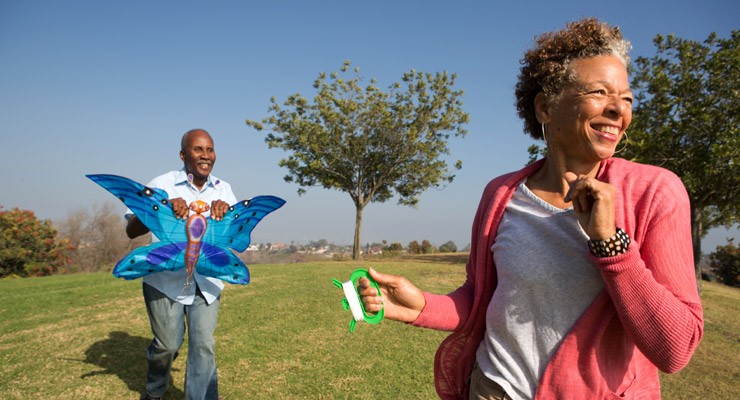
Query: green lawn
[(285, 335)]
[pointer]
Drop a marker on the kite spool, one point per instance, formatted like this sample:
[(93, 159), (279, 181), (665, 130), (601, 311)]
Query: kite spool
[(352, 301)]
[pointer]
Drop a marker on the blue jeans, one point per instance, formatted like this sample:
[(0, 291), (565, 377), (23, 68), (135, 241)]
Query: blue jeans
[(168, 318)]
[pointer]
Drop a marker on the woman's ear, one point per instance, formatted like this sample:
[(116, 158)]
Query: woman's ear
[(542, 108)]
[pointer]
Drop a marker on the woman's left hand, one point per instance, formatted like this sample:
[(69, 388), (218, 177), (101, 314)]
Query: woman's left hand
[(593, 203)]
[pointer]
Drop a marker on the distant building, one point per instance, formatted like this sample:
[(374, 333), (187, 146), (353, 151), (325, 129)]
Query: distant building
[(278, 246)]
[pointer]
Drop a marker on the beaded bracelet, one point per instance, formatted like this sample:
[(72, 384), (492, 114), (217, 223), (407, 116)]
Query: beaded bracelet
[(610, 247)]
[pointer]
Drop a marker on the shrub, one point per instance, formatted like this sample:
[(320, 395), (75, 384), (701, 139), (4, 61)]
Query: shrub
[(29, 247), (449, 247), (726, 262)]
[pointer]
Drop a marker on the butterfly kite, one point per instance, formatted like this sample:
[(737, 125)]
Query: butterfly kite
[(198, 243)]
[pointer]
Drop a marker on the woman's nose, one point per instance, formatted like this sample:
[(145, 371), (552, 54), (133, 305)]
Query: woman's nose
[(616, 107)]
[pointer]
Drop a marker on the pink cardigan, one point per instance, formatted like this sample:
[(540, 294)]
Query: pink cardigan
[(649, 314)]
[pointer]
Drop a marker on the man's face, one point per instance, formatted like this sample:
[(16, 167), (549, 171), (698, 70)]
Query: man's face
[(198, 155)]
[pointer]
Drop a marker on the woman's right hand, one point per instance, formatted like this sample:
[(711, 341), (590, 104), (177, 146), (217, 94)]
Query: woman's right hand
[(401, 300)]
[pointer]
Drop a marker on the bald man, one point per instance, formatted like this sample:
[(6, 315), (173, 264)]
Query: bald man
[(170, 296)]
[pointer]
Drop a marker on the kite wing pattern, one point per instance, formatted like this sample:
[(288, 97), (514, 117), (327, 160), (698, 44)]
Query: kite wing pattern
[(150, 205), (156, 257), (223, 264), (234, 230), (215, 259)]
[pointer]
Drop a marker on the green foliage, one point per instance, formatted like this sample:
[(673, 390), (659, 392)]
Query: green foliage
[(448, 247), (535, 153), (394, 248), (414, 247), (726, 261), (28, 247), (427, 247), (371, 144), (685, 119)]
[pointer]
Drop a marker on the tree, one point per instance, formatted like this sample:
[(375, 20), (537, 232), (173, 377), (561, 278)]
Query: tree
[(369, 143), (726, 262), (448, 247), (99, 237), (685, 119), (29, 247), (394, 248), (427, 247), (414, 247)]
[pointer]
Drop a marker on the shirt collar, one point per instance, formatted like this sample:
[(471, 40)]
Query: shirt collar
[(182, 178)]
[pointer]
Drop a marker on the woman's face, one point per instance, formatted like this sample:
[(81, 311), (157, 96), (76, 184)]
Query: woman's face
[(591, 115)]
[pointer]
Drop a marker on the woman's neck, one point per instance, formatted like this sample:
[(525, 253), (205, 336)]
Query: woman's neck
[(549, 182)]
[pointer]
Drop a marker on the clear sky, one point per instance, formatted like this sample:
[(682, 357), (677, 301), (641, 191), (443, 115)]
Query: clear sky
[(110, 87)]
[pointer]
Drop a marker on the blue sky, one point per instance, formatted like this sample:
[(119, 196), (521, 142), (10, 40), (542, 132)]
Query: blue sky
[(109, 87)]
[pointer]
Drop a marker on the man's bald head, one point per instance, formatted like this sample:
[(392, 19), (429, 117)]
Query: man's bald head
[(188, 134)]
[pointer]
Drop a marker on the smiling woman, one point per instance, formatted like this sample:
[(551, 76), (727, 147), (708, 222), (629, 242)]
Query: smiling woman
[(584, 125), (580, 280)]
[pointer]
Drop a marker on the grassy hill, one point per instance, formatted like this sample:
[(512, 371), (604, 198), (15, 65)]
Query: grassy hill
[(285, 335)]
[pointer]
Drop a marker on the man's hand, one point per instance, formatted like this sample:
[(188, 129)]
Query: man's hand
[(180, 208), (219, 208)]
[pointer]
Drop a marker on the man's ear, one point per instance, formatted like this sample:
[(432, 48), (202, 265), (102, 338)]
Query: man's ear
[(542, 108), (182, 155)]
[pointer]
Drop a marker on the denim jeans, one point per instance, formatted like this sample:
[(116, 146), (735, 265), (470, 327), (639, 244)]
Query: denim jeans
[(168, 319)]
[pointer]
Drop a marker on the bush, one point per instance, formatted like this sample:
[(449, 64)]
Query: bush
[(29, 247), (449, 247), (726, 262), (427, 247), (414, 248)]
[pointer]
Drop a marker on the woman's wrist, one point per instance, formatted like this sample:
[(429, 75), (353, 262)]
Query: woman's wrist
[(611, 246)]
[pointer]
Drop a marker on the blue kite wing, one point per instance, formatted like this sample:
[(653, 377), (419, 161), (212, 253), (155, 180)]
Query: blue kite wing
[(156, 257), (234, 230), (216, 260), (150, 205), (222, 263)]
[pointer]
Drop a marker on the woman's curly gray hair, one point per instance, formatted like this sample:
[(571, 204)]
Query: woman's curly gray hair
[(546, 67)]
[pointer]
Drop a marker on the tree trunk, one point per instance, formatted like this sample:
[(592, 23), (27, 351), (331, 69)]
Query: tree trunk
[(356, 249), (696, 229)]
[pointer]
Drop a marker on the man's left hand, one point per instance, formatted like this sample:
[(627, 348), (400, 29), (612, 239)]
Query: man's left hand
[(218, 209)]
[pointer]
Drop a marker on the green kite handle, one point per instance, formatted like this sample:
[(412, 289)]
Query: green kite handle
[(352, 298)]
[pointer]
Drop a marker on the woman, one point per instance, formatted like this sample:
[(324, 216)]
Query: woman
[(580, 281)]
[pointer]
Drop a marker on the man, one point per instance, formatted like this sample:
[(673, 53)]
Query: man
[(174, 300)]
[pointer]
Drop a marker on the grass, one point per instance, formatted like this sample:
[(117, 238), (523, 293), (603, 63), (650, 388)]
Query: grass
[(284, 335)]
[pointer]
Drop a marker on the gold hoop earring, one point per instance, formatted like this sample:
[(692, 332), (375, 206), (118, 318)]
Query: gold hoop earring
[(626, 139)]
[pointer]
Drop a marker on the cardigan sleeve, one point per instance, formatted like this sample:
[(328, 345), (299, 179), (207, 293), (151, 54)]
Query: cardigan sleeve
[(653, 285), (446, 312)]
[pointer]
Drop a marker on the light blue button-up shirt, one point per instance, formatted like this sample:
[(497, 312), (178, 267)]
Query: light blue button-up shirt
[(173, 283)]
